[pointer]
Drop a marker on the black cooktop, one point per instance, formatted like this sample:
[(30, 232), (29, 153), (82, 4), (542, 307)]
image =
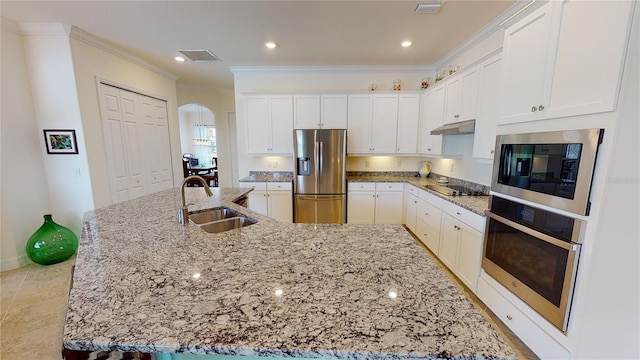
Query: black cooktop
[(455, 190)]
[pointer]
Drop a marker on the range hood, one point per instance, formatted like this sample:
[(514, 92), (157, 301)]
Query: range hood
[(459, 128)]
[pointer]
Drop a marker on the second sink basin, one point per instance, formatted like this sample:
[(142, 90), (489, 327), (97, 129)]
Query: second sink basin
[(220, 219), (227, 224), (215, 214)]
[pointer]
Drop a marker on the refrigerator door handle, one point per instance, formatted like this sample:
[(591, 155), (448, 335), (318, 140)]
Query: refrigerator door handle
[(319, 198), (317, 163), (321, 162)]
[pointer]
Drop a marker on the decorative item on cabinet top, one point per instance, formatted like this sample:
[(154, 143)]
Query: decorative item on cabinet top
[(426, 169)]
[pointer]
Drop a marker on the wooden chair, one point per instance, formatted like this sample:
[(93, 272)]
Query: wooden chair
[(212, 177), (186, 164)]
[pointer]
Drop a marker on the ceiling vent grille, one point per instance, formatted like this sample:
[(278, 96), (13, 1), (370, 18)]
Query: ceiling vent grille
[(428, 8), (200, 55)]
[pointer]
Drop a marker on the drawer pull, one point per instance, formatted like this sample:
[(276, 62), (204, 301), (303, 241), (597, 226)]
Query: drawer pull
[(509, 317), (458, 213)]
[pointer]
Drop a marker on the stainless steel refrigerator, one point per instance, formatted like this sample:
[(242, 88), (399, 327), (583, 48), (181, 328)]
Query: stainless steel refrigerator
[(320, 180)]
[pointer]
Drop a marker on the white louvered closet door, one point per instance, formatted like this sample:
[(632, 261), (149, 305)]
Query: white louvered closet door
[(136, 135)]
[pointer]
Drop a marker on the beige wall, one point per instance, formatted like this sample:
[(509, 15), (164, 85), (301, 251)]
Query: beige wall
[(24, 191), (92, 64), (220, 103)]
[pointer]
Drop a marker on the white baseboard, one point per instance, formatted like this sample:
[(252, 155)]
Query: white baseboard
[(14, 263)]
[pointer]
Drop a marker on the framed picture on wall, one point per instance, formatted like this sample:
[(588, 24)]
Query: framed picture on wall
[(60, 141)]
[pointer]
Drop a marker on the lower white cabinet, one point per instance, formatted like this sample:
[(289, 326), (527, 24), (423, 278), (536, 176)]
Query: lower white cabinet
[(411, 207), (375, 203), (520, 318), (273, 199), (461, 240)]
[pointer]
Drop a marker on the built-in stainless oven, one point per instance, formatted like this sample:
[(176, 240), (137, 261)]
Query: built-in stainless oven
[(548, 168), (534, 253)]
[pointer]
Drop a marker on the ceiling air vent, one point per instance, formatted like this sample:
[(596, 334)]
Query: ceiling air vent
[(200, 55), (431, 7)]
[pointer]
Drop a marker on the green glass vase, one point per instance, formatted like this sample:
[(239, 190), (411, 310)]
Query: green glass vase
[(51, 243)]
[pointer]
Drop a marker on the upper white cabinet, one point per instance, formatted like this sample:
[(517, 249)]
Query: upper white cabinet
[(565, 59), (372, 123), (431, 117), (269, 124), (462, 96), (318, 111), (484, 138), (408, 118)]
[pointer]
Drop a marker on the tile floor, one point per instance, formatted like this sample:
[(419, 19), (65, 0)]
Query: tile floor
[(33, 301)]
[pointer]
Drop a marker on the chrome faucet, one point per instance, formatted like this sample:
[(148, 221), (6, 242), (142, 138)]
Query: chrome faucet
[(183, 212)]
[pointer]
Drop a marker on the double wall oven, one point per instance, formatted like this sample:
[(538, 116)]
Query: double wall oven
[(530, 247)]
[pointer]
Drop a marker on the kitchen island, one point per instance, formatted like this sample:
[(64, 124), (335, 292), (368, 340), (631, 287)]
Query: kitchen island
[(144, 283)]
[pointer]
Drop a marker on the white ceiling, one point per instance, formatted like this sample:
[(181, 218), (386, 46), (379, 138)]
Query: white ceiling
[(308, 33)]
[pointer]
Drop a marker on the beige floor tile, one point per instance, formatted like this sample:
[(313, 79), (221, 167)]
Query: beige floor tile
[(10, 282), (44, 343)]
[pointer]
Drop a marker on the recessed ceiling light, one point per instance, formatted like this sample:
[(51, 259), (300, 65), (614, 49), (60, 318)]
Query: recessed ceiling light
[(406, 43), (179, 58), (271, 45)]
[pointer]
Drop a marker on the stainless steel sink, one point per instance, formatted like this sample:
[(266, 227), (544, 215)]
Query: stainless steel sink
[(220, 219), (227, 224), (214, 214)]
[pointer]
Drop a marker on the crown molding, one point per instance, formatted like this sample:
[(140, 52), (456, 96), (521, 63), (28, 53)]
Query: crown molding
[(204, 89), (9, 25), (88, 38), (44, 29), (349, 68), (486, 31)]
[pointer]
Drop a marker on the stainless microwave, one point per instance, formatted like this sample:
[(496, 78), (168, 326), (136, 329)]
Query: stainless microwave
[(549, 168)]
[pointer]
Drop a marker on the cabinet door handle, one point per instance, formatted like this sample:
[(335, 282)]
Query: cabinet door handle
[(428, 149), (458, 213), (540, 108), (509, 317), (534, 109), (456, 116), (427, 214), (492, 151)]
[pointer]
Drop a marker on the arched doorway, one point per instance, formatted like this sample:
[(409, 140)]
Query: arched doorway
[(198, 132)]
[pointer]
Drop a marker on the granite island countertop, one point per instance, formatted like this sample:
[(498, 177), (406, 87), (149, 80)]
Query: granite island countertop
[(269, 289)]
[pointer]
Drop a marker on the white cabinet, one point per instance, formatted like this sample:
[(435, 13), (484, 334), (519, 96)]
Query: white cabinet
[(484, 138), (429, 216), (372, 123), (461, 241), (333, 111), (273, 199), (408, 118), (431, 117), (375, 203), (269, 124), (411, 206), (462, 96), (318, 111), (564, 59)]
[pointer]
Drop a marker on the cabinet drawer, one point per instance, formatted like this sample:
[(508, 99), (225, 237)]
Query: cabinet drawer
[(531, 334), (275, 186), (428, 235), (362, 186), (255, 185), (430, 214), (468, 217), (410, 189), (430, 198), (388, 186)]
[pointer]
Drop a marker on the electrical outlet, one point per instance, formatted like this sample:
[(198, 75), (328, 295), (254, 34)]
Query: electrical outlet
[(399, 165), (275, 164), (77, 172), (366, 163), (451, 167)]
